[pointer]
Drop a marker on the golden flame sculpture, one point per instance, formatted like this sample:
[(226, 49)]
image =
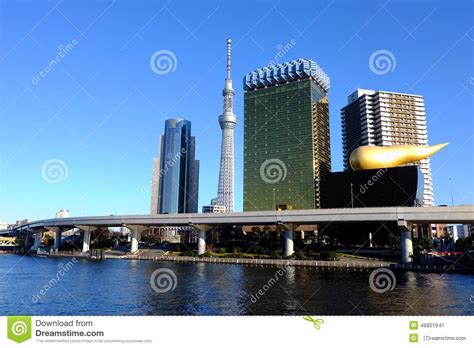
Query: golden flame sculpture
[(375, 157)]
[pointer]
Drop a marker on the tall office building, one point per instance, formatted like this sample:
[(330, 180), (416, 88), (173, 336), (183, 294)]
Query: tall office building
[(175, 177), (383, 119), (286, 136), (227, 122)]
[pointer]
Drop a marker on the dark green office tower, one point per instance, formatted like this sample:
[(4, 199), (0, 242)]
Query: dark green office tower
[(287, 151)]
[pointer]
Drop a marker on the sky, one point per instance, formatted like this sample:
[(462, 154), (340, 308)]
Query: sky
[(83, 96)]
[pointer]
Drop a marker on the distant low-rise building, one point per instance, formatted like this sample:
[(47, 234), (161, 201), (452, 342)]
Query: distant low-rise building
[(3, 225), (213, 208), (438, 230), (458, 231), (63, 213)]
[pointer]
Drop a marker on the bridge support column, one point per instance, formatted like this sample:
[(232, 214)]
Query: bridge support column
[(134, 243), (202, 231), (405, 229), (86, 241), (201, 242), (37, 242), (58, 233), (288, 229), (86, 236), (289, 243), (135, 232)]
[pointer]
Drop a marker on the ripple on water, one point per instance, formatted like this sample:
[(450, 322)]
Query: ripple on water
[(122, 287)]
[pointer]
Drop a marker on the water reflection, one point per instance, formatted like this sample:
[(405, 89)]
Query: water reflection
[(122, 287)]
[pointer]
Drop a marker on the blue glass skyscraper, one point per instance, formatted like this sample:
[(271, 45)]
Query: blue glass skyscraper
[(175, 180)]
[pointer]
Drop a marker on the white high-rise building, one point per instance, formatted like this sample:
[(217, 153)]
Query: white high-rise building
[(227, 121), (384, 119), (458, 231)]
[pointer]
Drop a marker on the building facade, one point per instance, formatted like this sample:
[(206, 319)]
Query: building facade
[(63, 213), (175, 176), (384, 119), (213, 209), (438, 230), (384, 187), (458, 231), (227, 122), (286, 136)]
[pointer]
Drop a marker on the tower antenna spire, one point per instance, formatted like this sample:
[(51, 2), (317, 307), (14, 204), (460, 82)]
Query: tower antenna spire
[(227, 121), (229, 47)]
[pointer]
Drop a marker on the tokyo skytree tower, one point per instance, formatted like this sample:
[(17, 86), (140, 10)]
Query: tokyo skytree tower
[(227, 121)]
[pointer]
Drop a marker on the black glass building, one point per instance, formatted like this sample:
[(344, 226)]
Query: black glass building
[(175, 181)]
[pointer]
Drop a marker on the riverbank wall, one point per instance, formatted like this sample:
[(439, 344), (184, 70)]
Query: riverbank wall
[(346, 263)]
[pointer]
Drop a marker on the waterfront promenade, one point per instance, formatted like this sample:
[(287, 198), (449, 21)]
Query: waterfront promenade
[(344, 262)]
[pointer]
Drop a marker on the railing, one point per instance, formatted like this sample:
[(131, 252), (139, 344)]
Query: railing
[(306, 263)]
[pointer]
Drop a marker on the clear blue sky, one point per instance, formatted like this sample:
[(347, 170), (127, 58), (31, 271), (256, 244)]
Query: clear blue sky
[(101, 109)]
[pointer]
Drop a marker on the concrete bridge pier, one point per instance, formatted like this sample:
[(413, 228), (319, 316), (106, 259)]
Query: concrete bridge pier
[(57, 239), (26, 243), (135, 232), (86, 241), (289, 235), (405, 229), (201, 242), (37, 242), (86, 236), (289, 243), (58, 232), (134, 242), (202, 231)]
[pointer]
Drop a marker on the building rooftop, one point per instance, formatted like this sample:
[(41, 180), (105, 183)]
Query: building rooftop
[(286, 72), (362, 91)]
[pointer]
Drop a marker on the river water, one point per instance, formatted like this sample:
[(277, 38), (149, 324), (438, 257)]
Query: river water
[(60, 286)]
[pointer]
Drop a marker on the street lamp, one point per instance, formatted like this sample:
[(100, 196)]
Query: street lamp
[(274, 200), (451, 188), (352, 196)]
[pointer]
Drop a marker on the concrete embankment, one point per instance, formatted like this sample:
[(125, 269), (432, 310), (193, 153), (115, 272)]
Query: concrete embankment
[(343, 263)]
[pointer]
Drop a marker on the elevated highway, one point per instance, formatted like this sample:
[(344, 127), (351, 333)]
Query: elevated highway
[(404, 216)]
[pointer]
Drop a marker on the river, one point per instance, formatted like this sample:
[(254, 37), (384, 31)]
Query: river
[(62, 286)]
